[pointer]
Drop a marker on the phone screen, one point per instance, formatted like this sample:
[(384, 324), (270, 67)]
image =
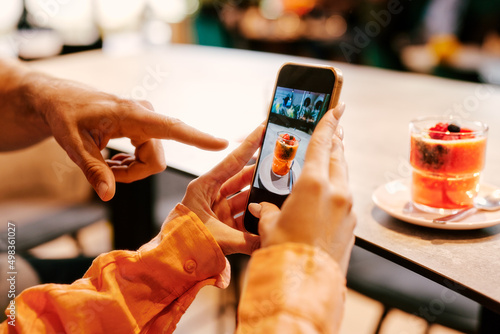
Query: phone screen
[(302, 96)]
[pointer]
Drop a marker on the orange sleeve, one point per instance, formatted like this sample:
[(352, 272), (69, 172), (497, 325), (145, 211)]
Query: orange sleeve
[(292, 288), (144, 291)]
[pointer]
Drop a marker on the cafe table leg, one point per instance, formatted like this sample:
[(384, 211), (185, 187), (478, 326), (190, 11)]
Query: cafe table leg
[(132, 213), (489, 322)]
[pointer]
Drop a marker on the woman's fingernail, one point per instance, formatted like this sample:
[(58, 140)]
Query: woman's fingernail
[(255, 208), (102, 189), (340, 110)]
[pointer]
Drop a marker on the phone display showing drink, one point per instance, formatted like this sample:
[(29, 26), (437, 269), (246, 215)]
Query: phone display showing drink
[(303, 94)]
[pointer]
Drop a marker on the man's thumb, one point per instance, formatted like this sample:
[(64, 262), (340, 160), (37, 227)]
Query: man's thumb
[(87, 156), (104, 190), (102, 179)]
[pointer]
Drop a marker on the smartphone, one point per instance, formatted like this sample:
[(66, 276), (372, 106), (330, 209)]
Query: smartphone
[(302, 95)]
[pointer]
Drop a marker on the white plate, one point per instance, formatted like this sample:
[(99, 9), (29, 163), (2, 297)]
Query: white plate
[(277, 185), (394, 198)]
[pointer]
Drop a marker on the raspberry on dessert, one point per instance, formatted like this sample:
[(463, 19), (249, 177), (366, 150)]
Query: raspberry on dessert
[(438, 131)]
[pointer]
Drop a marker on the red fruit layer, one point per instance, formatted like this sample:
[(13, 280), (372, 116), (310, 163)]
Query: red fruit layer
[(440, 131)]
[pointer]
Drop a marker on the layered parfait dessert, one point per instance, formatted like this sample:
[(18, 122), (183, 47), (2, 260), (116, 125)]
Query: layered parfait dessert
[(447, 158), (285, 150)]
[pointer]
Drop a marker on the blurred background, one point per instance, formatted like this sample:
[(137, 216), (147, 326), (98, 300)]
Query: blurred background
[(458, 39), (450, 38)]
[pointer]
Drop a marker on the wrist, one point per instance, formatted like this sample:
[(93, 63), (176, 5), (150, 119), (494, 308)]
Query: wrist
[(302, 241), (36, 90), (22, 125)]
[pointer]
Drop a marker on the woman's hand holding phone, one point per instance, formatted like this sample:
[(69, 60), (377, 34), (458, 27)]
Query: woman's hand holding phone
[(217, 197), (318, 211)]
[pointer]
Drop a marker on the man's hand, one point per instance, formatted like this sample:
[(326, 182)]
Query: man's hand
[(83, 120), (36, 106)]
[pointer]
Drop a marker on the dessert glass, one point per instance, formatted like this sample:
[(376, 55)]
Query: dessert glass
[(285, 150), (447, 156)]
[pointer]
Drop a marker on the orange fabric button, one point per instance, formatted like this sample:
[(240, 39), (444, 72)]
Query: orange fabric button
[(190, 266)]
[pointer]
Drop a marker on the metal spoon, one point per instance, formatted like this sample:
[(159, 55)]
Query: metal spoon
[(290, 180), (490, 202)]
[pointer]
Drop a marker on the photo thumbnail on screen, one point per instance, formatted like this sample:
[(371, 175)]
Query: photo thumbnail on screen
[(299, 104)]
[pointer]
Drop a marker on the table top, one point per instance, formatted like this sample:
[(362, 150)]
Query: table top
[(227, 92)]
